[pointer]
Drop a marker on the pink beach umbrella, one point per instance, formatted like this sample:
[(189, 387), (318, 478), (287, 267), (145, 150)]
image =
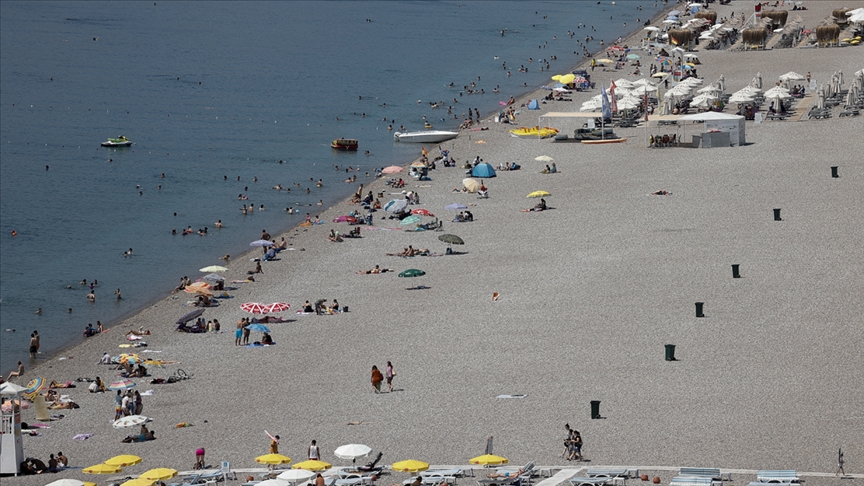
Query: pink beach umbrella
[(277, 307), (254, 308), (393, 169)]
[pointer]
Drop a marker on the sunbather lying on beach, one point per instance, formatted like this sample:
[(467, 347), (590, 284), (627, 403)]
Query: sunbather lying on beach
[(66, 405), (507, 474), (54, 384), (662, 192), (375, 270), (149, 435), (267, 320), (411, 251), (140, 332)]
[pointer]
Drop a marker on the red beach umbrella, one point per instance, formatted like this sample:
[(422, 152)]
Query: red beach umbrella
[(254, 308), (422, 212), (277, 307)]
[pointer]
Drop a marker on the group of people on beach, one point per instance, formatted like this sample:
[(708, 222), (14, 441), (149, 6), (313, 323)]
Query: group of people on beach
[(378, 378)]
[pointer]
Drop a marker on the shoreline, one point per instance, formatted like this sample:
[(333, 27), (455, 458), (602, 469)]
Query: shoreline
[(632, 257), (521, 97)]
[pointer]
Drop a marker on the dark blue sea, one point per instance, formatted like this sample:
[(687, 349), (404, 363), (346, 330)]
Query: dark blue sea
[(209, 90)]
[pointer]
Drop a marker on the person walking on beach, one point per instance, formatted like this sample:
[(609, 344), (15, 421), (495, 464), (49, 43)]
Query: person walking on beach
[(389, 374), (313, 452), (377, 378)]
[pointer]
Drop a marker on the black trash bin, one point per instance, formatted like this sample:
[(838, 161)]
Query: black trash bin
[(595, 409), (670, 352), (699, 312)]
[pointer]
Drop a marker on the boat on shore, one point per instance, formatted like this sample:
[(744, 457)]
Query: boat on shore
[(344, 144), (608, 140), (429, 136), (120, 141), (535, 132)]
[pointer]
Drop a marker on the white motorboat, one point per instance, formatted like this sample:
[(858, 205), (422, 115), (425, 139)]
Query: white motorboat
[(429, 136)]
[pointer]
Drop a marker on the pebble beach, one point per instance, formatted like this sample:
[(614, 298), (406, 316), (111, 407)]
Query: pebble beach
[(589, 293)]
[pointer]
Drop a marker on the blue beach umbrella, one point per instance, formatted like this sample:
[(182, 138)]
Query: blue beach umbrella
[(258, 327)]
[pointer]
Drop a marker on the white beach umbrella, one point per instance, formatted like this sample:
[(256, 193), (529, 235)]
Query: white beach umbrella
[(757, 81), (709, 89), (643, 82), (274, 482), (651, 28), (777, 91), (130, 421), (642, 90), (352, 451), (295, 475), (740, 98), (590, 105), (628, 104), (624, 83), (791, 76), (820, 98)]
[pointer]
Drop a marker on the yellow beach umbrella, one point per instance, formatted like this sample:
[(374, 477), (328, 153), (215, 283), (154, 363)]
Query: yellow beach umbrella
[(605, 61), (567, 79), (312, 465), (411, 465), (102, 469), (123, 460), (139, 482), (273, 459), (557, 77), (489, 460), (159, 473), (537, 194)]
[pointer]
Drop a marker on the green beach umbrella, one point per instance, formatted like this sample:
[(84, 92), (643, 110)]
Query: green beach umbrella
[(412, 272)]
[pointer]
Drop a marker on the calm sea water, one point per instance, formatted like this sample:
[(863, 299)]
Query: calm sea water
[(214, 89)]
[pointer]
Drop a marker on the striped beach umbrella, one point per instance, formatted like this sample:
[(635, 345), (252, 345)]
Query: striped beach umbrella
[(34, 387), (124, 384)]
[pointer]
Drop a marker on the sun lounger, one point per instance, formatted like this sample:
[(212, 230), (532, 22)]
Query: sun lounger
[(355, 481), (583, 481), (598, 472), (777, 476), (704, 472), (432, 480), (444, 472), (694, 481)]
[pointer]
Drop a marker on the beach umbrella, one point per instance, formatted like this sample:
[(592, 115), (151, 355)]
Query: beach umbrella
[(213, 277), (422, 212), (296, 475), (130, 421), (605, 61), (472, 185), (312, 465), (274, 482), (102, 469), (740, 98), (258, 328), (154, 362), (539, 194), (67, 482), (410, 220), (254, 307), (412, 272), (130, 358), (159, 473), (393, 169), (456, 207), (121, 385), (418, 165), (277, 307), (34, 387), (396, 205), (543, 158), (197, 287), (260, 243), (628, 103), (123, 460), (659, 75), (353, 451), (138, 482), (489, 460), (651, 28), (451, 239), (272, 459), (567, 78), (189, 316), (213, 268), (633, 57), (410, 465)]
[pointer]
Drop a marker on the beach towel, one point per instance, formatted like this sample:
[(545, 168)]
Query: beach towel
[(82, 436), (148, 393)]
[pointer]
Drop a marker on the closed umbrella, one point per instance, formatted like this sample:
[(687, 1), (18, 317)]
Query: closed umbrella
[(189, 316)]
